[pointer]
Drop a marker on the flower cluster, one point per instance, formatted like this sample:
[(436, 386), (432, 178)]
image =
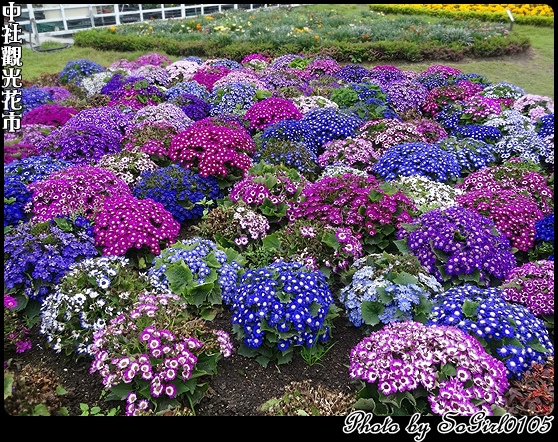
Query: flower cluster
[(156, 75), (423, 159), (457, 244), (29, 134), (351, 151), (38, 254), (544, 239), (272, 190), (517, 176), (152, 352), (17, 151), (126, 224), (294, 131), (234, 226), (239, 76), (441, 96), (49, 114), (152, 139), (193, 107), (15, 332), (127, 165), (471, 154), (208, 75), (405, 95), (107, 117), (319, 246), (33, 97), (234, 98), (329, 123), (182, 71), (187, 87), (280, 306), (427, 194), (527, 145), (534, 106), (136, 94), (153, 59), (94, 84), (352, 73), (388, 288), (185, 194), (75, 70), (269, 111), (16, 197), (213, 149), (409, 357), (389, 132), (168, 113), (503, 90), (198, 270), (508, 331), (80, 143), (91, 293), (514, 213), (74, 189), (532, 285), (306, 104), (363, 204)]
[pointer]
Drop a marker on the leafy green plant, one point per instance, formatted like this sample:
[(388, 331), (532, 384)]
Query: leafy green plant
[(86, 410), (314, 354)]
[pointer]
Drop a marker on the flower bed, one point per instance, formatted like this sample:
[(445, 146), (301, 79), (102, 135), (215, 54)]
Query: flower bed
[(427, 222)]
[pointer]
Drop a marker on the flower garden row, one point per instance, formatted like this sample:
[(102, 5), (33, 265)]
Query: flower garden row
[(143, 198)]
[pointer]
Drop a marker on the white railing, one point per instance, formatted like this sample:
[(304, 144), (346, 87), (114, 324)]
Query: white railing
[(66, 19)]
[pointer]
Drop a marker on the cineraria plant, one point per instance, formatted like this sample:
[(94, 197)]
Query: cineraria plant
[(33, 97), (91, 293), (187, 87), (235, 98), (80, 143), (271, 190), (29, 134), (128, 165), (208, 75), (155, 354), (544, 239), (367, 206), (292, 130), (270, 110), (427, 194), (503, 90), (16, 196), (471, 154), (156, 75), (17, 151), (532, 285), (201, 272), (235, 226), (317, 245), (441, 96), (182, 71), (242, 76), (388, 132), (306, 104), (75, 70), (194, 107), (136, 94), (287, 153), (351, 151), (457, 245), (419, 158), (15, 332), (152, 139), (135, 228), (327, 124), (352, 73), (165, 112), (74, 189), (508, 331), (185, 194), (408, 367), (518, 176), (38, 254), (404, 95), (153, 59), (279, 307), (526, 145), (49, 114), (514, 213), (209, 147), (107, 117), (385, 288)]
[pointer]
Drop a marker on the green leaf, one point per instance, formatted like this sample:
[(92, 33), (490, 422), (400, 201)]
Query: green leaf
[(469, 308), (405, 278), (370, 310), (448, 370), (40, 410), (8, 384), (331, 240), (63, 224), (375, 196), (272, 242), (402, 246), (179, 277)]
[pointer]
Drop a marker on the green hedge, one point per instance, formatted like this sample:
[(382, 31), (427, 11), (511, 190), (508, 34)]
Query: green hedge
[(361, 52)]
